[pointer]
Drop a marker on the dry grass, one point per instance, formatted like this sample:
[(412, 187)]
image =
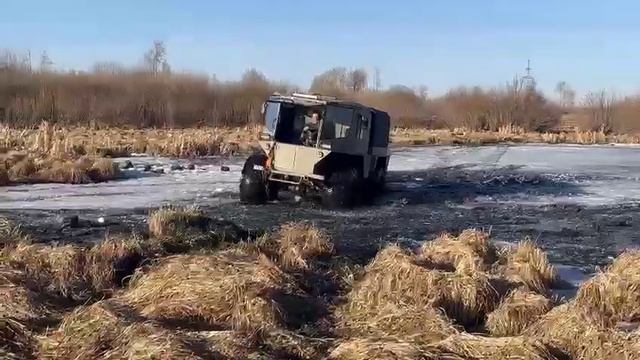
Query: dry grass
[(291, 345), (110, 261), (4, 177), (144, 341), (468, 346), (518, 310), (75, 272), (463, 136), (57, 141), (11, 235), (470, 252), (244, 303), (56, 270), (16, 342), (33, 167), (566, 326), (23, 169), (615, 293), (382, 349), (88, 333), (170, 221), (64, 172), (104, 169), (21, 304), (468, 298), (177, 230), (419, 325), (230, 289), (609, 344), (394, 277), (528, 265), (231, 344), (295, 244)]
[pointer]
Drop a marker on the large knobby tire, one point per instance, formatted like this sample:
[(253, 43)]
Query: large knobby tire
[(253, 189), (340, 190), (273, 188), (378, 182)]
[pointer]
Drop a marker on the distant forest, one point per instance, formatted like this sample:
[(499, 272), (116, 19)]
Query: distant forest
[(152, 95)]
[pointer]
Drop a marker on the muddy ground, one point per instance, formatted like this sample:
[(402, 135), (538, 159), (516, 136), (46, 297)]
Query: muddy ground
[(418, 205)]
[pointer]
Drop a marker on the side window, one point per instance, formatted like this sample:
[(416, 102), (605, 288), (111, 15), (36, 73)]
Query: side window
[(338, 123), (342, 130), (363, 125)]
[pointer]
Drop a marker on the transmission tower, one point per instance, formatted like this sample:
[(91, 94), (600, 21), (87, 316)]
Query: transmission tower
[(528, 80), (377, 81)]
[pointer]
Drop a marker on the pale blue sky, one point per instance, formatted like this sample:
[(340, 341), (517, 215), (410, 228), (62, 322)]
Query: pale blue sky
[(440, 44)]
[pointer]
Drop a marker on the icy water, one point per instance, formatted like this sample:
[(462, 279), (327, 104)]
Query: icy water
[(590, 176), (580, 203)]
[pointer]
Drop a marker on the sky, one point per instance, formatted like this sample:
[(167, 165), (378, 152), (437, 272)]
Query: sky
[(440, 44)]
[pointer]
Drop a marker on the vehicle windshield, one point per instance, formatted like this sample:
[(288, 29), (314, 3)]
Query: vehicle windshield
[(271, 115), (293, 123)]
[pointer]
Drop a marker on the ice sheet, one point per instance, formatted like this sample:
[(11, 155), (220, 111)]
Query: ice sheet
[(605, 175)]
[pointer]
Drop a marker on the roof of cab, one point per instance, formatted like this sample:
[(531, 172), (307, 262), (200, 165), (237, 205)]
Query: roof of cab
[(315, 100)]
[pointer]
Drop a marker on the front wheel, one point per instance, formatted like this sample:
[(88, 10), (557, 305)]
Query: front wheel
[(340, 189), (253, 189)]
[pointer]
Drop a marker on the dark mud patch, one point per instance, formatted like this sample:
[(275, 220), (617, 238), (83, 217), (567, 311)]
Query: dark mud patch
[(419, 205)]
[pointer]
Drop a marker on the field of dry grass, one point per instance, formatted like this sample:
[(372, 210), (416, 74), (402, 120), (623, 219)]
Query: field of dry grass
[(79, 155), (507, 134), (54, 140), (289, 295)]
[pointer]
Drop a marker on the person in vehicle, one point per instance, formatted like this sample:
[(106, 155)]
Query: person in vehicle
[(309, 134)]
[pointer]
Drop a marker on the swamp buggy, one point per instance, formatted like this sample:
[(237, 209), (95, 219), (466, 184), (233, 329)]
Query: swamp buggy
[(318, 145)]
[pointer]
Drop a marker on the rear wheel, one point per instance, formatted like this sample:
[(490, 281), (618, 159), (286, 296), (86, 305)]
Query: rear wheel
[(273, 188), (253, 184), (380, 179), (340, 190)]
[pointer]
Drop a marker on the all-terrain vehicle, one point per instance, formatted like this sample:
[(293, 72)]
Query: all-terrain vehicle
[(318, 145)]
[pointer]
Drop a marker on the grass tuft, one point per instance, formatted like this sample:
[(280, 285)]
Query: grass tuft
[(230, 289), (295, 244), (112, 260), (16, 342), (382, 349), (528, 265), (171, 221), (470, 252), (518, 310), (615, 293)]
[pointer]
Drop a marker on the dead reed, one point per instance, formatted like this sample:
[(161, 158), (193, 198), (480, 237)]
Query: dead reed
[(517, 311), (528, 265), (229, 289)]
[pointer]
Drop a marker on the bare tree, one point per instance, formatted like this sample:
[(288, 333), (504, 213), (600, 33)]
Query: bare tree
[(422, 91), (10, 61), (357, 80), (601, 109), (330, 82), (566, 93), (254, 77), (155, 59)]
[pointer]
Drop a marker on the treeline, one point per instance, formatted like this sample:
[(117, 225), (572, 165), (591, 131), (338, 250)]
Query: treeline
[(151, 95)]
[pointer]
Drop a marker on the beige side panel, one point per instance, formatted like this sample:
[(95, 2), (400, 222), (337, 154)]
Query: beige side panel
[(307, 158), (284, 157), (297, 159)]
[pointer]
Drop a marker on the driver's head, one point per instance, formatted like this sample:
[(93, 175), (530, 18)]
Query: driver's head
[(315, 117)]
